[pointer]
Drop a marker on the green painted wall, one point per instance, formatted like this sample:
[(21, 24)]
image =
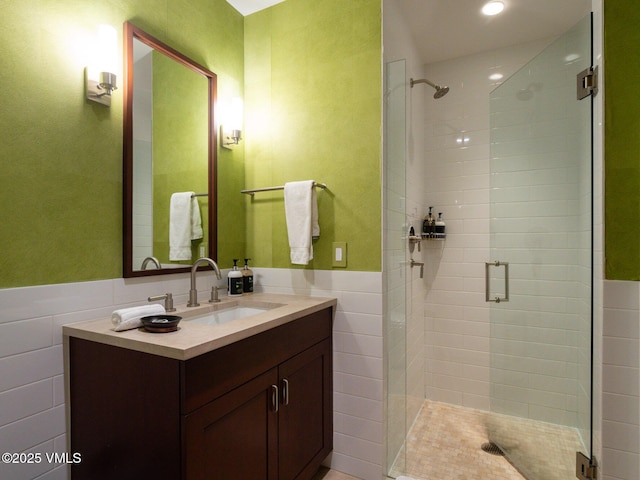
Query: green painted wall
[(313, 110), (622, 139), (61, 157), (313, 86)]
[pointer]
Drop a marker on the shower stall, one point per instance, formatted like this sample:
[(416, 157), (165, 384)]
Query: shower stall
[(505, 305)]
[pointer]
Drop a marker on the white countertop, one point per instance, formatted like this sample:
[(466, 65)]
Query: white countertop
[(193, 339)]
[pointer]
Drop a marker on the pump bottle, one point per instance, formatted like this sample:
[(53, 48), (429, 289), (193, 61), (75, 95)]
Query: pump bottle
[(247, 278), (428, 226), (440, 232), (234, 280)]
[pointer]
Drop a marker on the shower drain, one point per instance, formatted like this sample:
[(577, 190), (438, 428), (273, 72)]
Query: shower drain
[(492, 448)]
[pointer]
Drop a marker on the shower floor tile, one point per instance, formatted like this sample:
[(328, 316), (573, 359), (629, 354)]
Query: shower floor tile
[(445, 442)]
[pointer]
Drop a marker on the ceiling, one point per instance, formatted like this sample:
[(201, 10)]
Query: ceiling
[(445, 29), (247, 7)]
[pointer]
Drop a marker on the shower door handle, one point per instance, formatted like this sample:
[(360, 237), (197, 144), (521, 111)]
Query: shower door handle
[(496, 299)]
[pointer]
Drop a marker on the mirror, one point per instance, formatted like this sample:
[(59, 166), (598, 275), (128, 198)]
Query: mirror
[(169, 147)]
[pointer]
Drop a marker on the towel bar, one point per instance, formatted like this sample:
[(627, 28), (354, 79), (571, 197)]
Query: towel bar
[(268, 189)]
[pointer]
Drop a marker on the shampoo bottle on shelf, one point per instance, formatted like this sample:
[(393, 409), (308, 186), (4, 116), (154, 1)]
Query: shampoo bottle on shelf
[(428, 226), (247, 278), (440, 228), (234, 280)]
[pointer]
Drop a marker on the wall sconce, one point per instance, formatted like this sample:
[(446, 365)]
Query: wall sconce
[(231, 122), (100, 79)]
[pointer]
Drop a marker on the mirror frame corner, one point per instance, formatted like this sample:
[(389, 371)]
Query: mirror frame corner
[(132, 32)]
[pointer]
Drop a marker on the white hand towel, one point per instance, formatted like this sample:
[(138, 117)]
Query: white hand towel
[(185, 225), (196, 219), (301, 210), (128, 318)]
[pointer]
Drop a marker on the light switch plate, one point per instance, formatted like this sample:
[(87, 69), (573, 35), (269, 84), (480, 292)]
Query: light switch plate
[(339, 250)]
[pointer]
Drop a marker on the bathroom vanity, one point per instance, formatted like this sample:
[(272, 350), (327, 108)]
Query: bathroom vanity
[(246, 399)]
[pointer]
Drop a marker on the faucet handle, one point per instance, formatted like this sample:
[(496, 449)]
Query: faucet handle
[(413, 263), (168, 301), (214, 294)]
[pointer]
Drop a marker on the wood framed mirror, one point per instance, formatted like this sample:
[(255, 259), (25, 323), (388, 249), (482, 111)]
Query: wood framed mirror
[(169, 146)]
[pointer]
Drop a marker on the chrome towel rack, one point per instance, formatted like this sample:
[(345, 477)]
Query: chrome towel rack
[(269, 189)]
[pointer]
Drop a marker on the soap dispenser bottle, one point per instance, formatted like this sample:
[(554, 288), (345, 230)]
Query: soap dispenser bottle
[(428, 226), (440, 227), (234, 280), (247, 278)]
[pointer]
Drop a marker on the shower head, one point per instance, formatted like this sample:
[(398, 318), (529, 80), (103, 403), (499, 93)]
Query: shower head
[(440, 91)]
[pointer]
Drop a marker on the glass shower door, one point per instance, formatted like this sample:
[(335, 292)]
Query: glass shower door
[(541, 244), (394, 269)]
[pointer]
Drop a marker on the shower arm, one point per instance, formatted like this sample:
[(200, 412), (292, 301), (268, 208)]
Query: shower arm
[(441, 91), (412, 82)]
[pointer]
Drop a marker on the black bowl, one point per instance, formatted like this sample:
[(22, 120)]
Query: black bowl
[(161, 323)]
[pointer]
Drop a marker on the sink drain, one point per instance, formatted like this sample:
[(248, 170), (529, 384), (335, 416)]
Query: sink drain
[(492, 448)]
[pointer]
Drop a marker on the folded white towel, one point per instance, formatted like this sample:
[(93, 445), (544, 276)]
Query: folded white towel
[(185, 224), (301, 210), (128, 318)]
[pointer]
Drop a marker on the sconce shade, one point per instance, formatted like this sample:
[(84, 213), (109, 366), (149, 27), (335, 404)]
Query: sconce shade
[(99, 86), (108, 82)]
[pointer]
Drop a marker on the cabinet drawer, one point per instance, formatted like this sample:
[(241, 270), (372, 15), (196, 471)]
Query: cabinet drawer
[(208, 376)]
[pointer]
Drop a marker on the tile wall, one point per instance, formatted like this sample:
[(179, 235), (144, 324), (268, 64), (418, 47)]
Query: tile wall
[(620, 381), (32, 404)]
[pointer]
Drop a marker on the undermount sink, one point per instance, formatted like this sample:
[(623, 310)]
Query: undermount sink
[(218, 317)]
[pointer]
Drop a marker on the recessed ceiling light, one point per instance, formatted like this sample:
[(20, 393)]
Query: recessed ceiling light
[(496, 76), (493, 8)]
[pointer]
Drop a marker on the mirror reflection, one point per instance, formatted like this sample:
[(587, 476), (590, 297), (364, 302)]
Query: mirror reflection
[(169, 159)]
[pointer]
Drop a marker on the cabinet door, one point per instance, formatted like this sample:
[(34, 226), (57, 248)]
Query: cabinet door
[(236, 435), (124, 413), (305, 421)]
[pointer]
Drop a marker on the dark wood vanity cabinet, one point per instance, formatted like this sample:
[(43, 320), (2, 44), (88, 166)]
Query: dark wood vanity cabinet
[(260, 408)]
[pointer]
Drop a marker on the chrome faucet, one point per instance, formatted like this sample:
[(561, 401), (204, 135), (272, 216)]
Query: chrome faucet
[(193, 293), (154, 260)]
